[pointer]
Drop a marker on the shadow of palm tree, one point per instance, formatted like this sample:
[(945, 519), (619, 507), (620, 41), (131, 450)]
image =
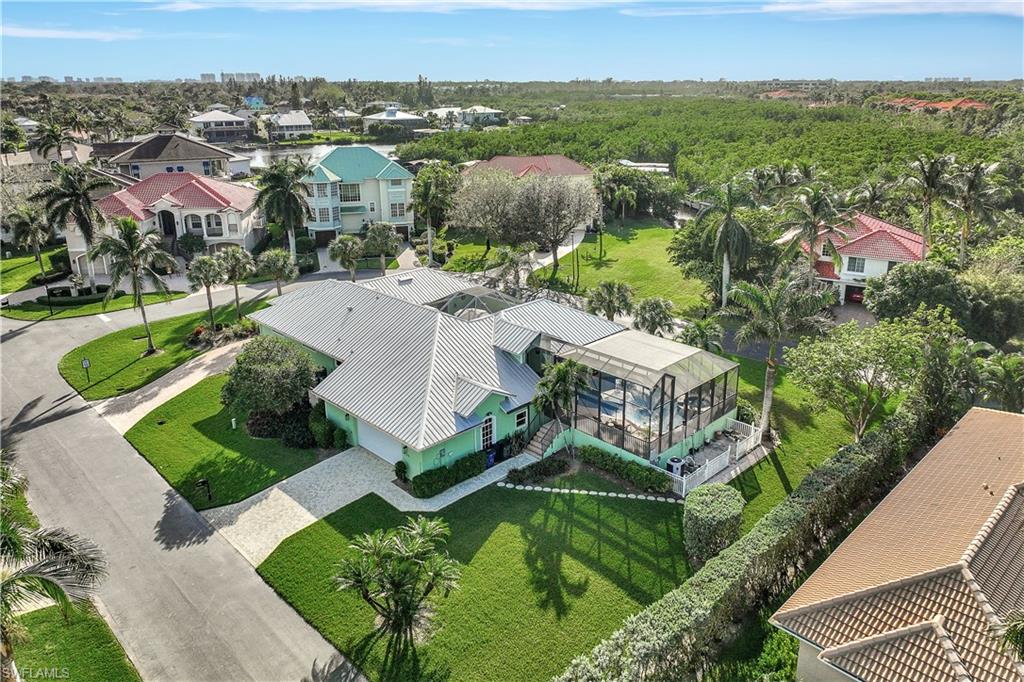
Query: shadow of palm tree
[(545, 549), (180, 526)]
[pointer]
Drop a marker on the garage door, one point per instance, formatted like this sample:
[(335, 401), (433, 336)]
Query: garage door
[(379, 443), (324, 237)]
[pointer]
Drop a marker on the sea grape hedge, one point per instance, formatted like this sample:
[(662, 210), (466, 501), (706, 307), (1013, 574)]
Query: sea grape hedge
[(538, 471), (712, 515), (435, 481)]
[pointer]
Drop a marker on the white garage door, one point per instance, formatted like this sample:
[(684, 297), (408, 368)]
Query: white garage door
[(379, 443)]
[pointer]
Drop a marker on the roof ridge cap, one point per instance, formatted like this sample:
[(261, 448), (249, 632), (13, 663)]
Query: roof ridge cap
[(950, 650), (430, 376), (986, 528), (886, 635), (995, 624)]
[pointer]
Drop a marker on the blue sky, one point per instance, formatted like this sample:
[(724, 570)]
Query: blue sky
[(518, 39)]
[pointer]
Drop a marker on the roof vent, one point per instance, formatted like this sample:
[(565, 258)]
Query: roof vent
[(405, 279)]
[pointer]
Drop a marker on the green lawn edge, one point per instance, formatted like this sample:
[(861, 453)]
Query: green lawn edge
[(33, 311)]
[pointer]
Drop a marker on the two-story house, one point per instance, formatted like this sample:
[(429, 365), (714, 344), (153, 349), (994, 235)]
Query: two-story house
[(219, 126), (169, 152), (289, 125), (354, 186)]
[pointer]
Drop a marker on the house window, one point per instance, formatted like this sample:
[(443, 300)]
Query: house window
[(136, 173), (336, 214), (373, 207), (892, 264), (487, 433), (334, 189), (396, 183), (826, 249), (325, 215), (854, 264), (169, 169), (181, 169), (214, 226), (521, 419), (194, 224), (349, 192), (232, 223), (321, 189), (206, 167), (398, 210)]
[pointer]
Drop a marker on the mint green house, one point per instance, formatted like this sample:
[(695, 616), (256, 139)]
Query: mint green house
[(354, 186), (427, 367)]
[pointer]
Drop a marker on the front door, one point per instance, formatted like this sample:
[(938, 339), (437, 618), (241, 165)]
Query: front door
[(167, 224)]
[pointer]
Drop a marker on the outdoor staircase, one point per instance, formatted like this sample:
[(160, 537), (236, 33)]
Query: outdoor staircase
[(541, 440)]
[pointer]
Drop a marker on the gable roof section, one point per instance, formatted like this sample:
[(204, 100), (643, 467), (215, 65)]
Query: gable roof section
[(559, 321), (186, 190), (871, 237), (547, 164), (216, 116), (420, 286), (358, 162), (295, 117), (172, 147)]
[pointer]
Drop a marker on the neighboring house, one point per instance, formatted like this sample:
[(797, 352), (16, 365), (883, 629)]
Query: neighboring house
[(872, 247), (923, 585), (481, 115), (949, 105), (171, 153), (521, 120), (27, 125), (217, 106), (427, 367), (447, 118), (289, 125), (346, 118), (32, 157), (646, 166), (223, 213), (219, 126), (548, 164), (354, 186), (395, 116)]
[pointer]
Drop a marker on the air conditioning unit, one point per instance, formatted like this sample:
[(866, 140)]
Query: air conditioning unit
[(675, 466)]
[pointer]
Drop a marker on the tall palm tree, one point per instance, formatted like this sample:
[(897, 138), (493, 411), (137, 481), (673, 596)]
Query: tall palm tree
[(135, 257), (68, 201), (433, 195), (872, 195), (54, 137), (283, 196), (31, 229), (705, 333), (44, 563), (278, 265), (610, 298), (557, 389), (929, 180), (973, 194), (654, 315), (238, 265), (346, 250), (382, 238), (762, 184), (818, 214), (783, 178), (206, 272), (770, 313), (729, 236)]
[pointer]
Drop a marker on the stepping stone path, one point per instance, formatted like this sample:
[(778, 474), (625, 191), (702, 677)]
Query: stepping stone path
[(596, 493)]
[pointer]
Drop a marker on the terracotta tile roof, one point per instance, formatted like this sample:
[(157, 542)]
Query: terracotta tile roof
[(871, 237), (186, 190), (548, 164), (959, 103), (826, 269)]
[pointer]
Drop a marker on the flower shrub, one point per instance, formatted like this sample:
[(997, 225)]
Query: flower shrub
[(712, 515), (435, 481), (638, 475), (538, 471)]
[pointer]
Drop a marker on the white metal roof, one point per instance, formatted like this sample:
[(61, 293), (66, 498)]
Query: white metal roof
[(560, 322), (211, 116), (291, 118), (422, 285)]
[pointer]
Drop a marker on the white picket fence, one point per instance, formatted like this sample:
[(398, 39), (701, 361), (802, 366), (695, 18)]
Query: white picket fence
[(749, 441), (681, 485)]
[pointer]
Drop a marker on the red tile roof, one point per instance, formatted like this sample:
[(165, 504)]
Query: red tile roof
[(186, 190), (871, 237), (548, 164), (959, 103), (826, 269)]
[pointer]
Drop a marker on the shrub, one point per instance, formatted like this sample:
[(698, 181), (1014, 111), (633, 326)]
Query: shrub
[(746, 412), (50, 276), (243, 329), (538, 471), (308, 262), (305, 245), (341, 441), (402, 470), (435, 481), (712, 515), (321, 428), (269, 374), (295, 431), (263, 424), (61, 261), (191, 244), (61, 296), (638, 475)]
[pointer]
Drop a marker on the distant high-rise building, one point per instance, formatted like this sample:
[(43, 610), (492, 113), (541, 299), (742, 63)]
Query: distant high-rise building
[(28, 79), (240, 77), (47, 79), (208, 77)]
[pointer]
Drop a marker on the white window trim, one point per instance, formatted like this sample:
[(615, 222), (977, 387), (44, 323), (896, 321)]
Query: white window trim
[(849, 264), (525, 414), (489, 419)]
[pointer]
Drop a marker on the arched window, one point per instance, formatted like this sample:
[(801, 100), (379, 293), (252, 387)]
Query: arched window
[(487, 433), (214, 226), (194, 224)]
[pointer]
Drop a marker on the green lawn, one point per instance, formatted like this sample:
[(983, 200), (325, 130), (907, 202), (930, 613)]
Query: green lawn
[(117, 362), (469, 255), (36, 311), (190, 437), (16, 273), (635, 254), (330, 137), (80, 650), (584, 480), (545, 577)]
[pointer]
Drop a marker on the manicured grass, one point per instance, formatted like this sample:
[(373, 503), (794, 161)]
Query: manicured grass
[(80, 650), (635, 254), (117, 362), (585, 480), (545, 577), (469, 255), (16, 273), (36, 311), (190, 437)]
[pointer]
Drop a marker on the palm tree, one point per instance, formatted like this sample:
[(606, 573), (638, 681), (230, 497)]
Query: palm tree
[(1013, 634), (278, 265), (45, 563), (1002, 376), (705, 333), (872, 195), (382, 238), (433, 195), (346, 251), (624, 197), (238, 265), (770, 313), (30, 229), (972, 193), (817, 214), (610, 298), (729, 235), (783, 178), (762, 184), (557, 388), (283, 196), (53, 137), (929, 180), (511, 261), (206, 272), (68, 201), (134, 256), (655, 315)]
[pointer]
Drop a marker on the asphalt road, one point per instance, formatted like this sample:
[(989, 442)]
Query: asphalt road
[(185, 605)]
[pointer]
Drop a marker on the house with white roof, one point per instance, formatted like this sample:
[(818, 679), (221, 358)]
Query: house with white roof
[(346, 118), (219, 126), (289, 125), (427, 367), (27, 125), (481, 115), (394, 116)]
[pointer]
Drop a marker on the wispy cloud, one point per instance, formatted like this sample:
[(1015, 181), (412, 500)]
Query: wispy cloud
[(825, 8), (43, 32)]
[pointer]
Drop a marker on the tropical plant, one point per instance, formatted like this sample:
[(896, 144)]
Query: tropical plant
[(1013, 633), (1002, 377), (51, 137), (610, 298), (557, 389), (771, 313), (277, 264), (206, 272), (511, 261), (382, 238), (655, 315), (483, 205), (872, 195), (556, 205), (68, 202), (433, 195), (817, 216), (346, 250), (271, 374), (30, 229), (929, 181), (705, 333), (395, 571), (237, 265), (972, 193), (283, 196), (729, 236), (624, 197), (136, 258)]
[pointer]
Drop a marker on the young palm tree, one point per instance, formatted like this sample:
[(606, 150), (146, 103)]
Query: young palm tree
[(31, 229), (238, 265), (511, 261), (68, 201), (382, 238), (1013, 634), (929, 180), (818, 214), (54, 137), (277, 264), (346, 250), (206, 272), (611, 299), (872, 195), (705, 333), (771, 313), (283, 196), (433, 195), (557, 389), (46, 563), (655, 315), (730, 238), (624, 197), (135, 257), (761, 185), (972, 193), (1002, 376)]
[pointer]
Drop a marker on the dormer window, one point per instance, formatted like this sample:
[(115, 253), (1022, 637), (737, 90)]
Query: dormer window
[(827, 250)]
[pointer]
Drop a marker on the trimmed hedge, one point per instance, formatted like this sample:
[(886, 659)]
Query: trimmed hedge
[(321, 428), (50, 276), (341, 441), (638, 475), (538, 471), (712, 515), (435, 481)]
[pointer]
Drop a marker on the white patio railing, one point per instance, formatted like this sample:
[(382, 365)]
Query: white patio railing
[(681, 485), (751, 438)]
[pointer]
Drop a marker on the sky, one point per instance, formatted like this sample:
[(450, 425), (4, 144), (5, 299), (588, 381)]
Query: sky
[(517, 40)]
